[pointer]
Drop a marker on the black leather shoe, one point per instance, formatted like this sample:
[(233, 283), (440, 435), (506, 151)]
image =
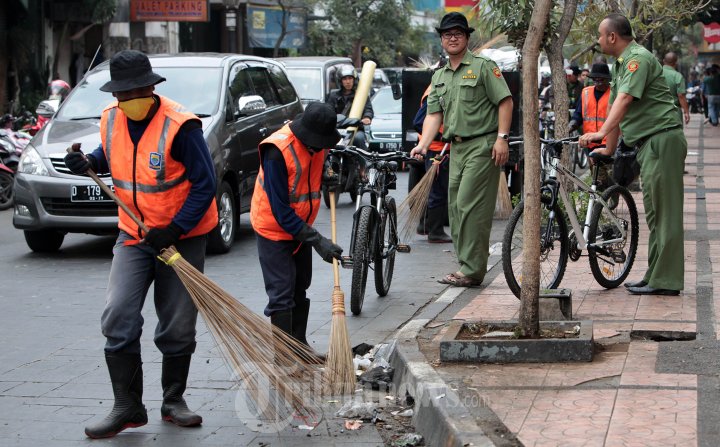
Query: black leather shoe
[(640, 283), (647, 290)]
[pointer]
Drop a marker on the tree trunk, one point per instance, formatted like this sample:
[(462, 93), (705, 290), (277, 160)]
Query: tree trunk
[(529, 306), (283, 30), (357, 53), (555, 56)]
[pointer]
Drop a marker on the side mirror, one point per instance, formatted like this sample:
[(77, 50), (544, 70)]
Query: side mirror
[(251, 105), (47, 108), (396, 91)]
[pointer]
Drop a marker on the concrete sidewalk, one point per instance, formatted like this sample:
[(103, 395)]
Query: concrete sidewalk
[(636, 391)]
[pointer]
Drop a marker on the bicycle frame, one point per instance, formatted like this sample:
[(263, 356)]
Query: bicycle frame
[(555, 186)]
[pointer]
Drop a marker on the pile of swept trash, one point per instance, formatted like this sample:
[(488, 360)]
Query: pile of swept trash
[(373, 402)]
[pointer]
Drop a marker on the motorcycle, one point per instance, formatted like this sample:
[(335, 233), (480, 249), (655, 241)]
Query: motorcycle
[(693, 95), (7, 179), (12, 143), (345, 167)]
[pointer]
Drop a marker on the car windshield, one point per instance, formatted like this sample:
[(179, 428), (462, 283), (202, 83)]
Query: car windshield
[(87, 101), (383, 102), (307, 82)]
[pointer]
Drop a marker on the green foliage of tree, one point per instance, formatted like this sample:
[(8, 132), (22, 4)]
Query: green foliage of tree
[(365, 29), (100, 10)]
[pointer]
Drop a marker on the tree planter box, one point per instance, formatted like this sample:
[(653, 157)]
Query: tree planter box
[(513, 350)]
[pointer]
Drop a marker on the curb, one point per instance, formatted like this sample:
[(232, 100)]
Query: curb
[(440, 415)]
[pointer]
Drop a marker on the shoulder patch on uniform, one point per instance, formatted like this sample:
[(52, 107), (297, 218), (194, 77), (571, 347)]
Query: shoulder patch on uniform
[(633, 65), (155, 160), (496, 72)]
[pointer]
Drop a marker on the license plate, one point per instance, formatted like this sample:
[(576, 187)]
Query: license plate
[(392, 146), (88, 193)]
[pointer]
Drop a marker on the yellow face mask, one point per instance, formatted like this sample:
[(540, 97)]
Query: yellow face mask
[(137, 109)]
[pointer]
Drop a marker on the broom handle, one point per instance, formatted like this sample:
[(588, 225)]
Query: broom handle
[(76, 148), (333, 235)]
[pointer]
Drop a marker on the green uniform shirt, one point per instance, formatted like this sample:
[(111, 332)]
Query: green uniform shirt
[(675, 82), (637, 73), (468, 97)]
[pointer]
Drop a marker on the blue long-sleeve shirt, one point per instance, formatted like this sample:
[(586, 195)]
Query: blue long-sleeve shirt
[(275, 182), (190, 149)]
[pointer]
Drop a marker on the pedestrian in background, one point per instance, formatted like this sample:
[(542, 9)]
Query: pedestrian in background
[(470, 99), (433, 222), (161, 169), (284, 205), (676, 84), (711, 86), (342, 99), (642, 107)]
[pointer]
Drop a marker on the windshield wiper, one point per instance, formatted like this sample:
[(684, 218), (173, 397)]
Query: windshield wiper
[(80, 118), (202, 115)]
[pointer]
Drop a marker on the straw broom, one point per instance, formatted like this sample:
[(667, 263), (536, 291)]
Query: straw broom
[(413, 207), (249, 344), (339, 368), (503, 204)]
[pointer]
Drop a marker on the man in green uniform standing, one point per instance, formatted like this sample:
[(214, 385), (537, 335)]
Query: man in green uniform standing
[(470, 98), (676, 84), (642, 107)]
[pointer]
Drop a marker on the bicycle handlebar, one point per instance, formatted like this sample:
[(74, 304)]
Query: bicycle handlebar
[(372, 155)]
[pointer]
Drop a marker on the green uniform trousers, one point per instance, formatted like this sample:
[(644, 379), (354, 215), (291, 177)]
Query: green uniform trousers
[(472, 193), (662, 160)]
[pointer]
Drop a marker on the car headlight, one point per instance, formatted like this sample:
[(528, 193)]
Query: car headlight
[(31, 162)]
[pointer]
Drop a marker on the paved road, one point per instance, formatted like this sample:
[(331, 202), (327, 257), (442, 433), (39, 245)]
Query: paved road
[(52, 374)]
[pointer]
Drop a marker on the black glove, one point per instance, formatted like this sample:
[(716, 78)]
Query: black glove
[(162, 238), (322, 245), (79, 163)]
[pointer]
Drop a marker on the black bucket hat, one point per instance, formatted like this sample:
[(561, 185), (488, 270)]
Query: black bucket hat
[(130, 69), (600, 71), (454, 20), (316, 126)]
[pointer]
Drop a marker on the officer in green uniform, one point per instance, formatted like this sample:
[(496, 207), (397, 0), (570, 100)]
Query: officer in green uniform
[(642, 106), (470, 98), (676, 84)]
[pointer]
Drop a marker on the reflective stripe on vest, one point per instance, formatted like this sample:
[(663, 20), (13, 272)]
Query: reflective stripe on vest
[(594, 112), (146, 177), (304, 179)]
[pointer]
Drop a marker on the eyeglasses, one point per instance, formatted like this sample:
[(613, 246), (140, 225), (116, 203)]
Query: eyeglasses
[(455, 35)]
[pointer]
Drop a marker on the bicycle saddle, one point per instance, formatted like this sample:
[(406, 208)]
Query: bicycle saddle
[(601, 159)]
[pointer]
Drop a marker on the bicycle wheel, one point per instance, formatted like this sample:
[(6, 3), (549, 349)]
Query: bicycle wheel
[(387, 240), (361, 259), (553, 249), (611, 264)]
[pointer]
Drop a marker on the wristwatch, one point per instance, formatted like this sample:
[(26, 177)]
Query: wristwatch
[(504, 136)]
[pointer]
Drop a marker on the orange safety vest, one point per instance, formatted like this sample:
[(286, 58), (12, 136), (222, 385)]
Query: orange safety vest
[(436, 146), (147, 179), (594, 112), (304, 181)]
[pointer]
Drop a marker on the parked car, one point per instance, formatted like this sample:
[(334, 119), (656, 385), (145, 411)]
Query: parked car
[(385, 132), (313, 76), (240, 100)]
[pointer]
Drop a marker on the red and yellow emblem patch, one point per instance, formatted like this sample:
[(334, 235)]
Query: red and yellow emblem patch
[(497, 73), (632, 66)]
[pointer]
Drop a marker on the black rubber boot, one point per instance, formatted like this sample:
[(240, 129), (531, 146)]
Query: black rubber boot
[(283, 320), (174, 409), (436, 230), (300, 315), (422, 225), (127, 383)]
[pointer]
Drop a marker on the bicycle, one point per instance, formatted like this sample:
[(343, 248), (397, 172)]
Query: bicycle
[(609, 233), (374, 237)]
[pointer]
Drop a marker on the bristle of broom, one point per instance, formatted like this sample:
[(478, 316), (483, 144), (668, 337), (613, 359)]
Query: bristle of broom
[(503, 204), (339, 367), (252, 347), (413, 207)]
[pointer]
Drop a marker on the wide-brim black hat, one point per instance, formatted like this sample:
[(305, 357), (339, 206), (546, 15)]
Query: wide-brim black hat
[(130, 69), (600, 71), (316, 126), (454, 20)]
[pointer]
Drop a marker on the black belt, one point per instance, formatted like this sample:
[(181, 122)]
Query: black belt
[(639, 144), (459, 139)]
